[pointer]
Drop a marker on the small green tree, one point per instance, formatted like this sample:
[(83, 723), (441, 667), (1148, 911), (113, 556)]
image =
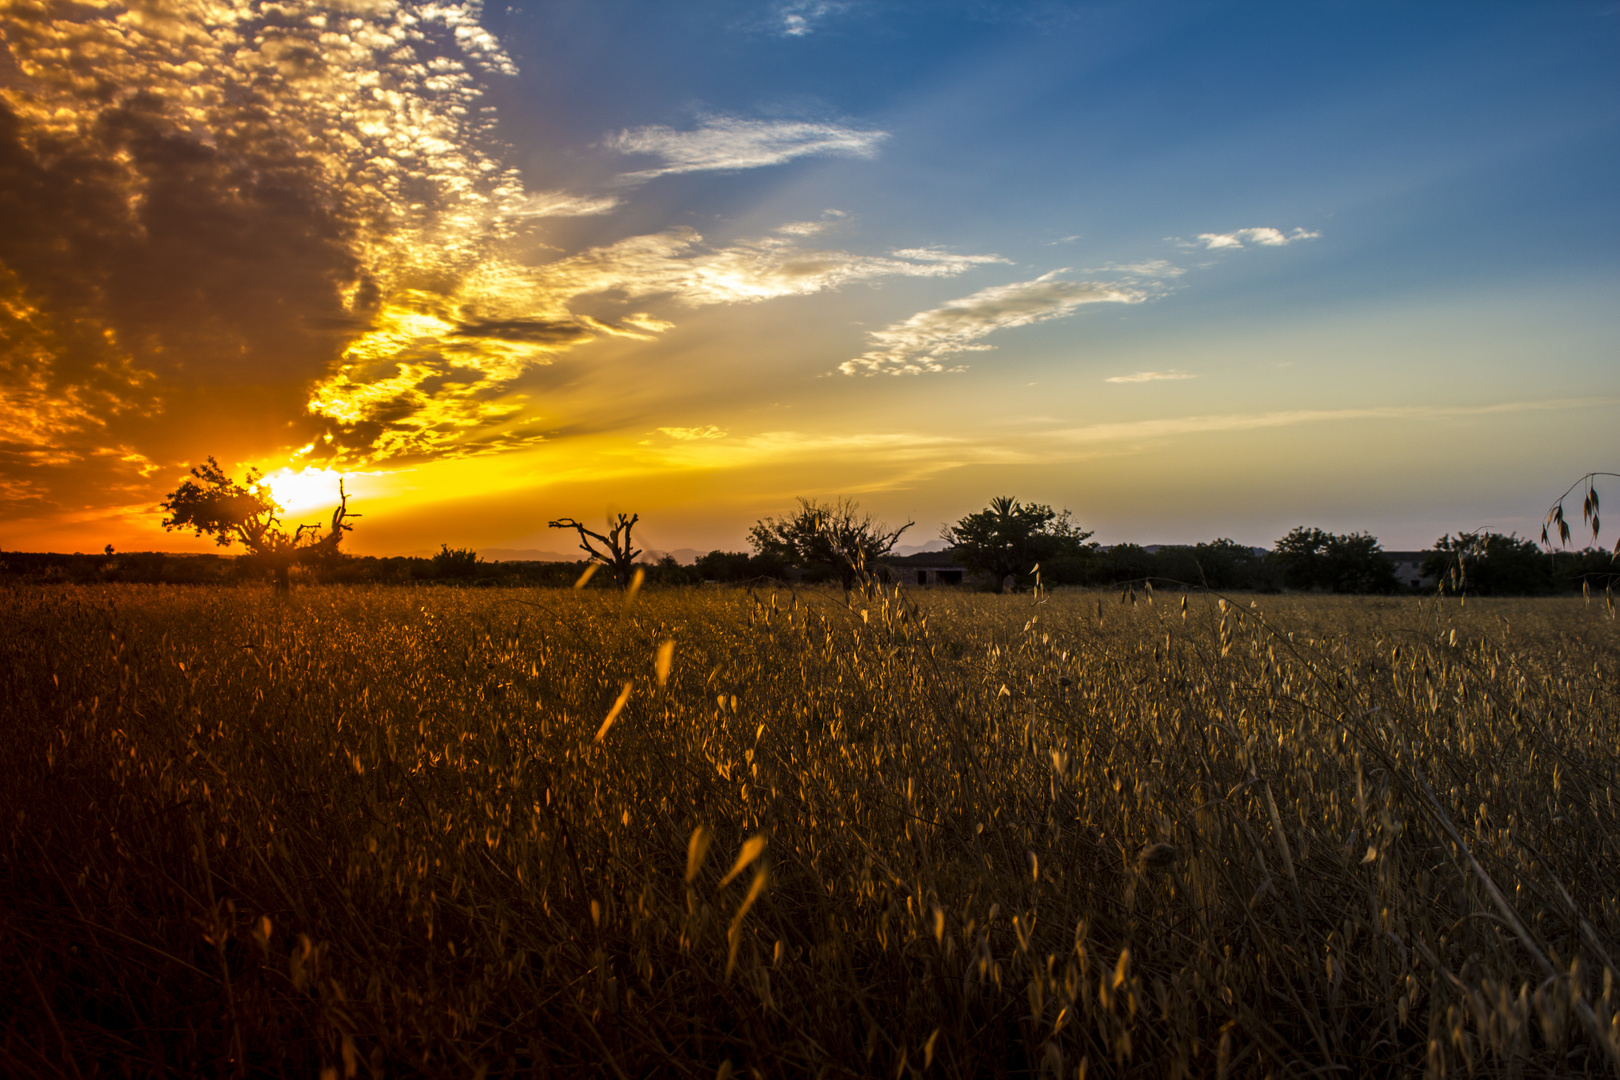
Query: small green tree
[(831, 537), (211, 503), (1008, 538), (1350, 563)]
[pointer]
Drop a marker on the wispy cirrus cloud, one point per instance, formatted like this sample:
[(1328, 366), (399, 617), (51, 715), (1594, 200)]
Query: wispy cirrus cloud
[(1151, 376), (921, 343), (679, 264), (727, 143), (1153, 269), (1192, 425), (549, 204), (1264, 236)]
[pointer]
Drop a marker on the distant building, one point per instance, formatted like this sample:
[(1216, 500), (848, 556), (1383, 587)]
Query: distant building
[(1409, 568), (927, 569)]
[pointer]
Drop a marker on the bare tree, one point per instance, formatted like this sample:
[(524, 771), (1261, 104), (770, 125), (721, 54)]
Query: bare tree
[(834, 536), (618, 555)]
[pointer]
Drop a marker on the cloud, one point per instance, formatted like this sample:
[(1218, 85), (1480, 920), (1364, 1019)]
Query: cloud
[(1150, 376), (920, 343), (1150, 268), (434, 374), (724, 143), (549, 204), (678, 264), (686, 434), (799, 18), (1191, 425), (1264, 236), (204, 200), (246, 214)]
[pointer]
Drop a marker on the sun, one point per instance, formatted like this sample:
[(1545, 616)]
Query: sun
[(307, 489)]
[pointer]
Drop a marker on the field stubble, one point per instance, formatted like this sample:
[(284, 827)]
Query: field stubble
[(502, 832)]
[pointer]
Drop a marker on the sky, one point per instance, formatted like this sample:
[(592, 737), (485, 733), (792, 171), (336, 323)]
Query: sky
[(1189, 270)]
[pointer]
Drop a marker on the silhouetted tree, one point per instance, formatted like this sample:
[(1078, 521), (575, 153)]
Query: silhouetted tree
[(212, 504), (740, 566), (834, 537), (616, 552), (455, 562), (1008, 538), (1351, 563), (1490, 564)]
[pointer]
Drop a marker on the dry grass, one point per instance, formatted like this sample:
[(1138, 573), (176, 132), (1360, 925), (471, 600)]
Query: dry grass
[(375, 832)]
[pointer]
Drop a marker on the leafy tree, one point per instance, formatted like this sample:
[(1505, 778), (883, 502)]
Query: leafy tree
[(669, 571), (1123, 562), (616, 553), (1490, 564), (740, 566), (720, 565), (1350, 563), (1227, 564), (1215, 564), (212, 504), (1007, 539), (833, 538)]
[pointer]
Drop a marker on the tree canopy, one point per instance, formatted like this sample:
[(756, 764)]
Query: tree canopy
[(834, 538), (1009, 538), (1489, 563), (1349, 563)]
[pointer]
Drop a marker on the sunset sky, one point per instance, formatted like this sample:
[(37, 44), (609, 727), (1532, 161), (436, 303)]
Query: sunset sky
[(1186, 269)]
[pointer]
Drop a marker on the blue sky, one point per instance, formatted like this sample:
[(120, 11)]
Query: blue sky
[(1187, 269)]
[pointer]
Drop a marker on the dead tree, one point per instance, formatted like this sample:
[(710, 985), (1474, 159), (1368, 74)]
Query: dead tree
[(619, 556), (312, 547)]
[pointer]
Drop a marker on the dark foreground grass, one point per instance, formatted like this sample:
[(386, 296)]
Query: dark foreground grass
[(384, 832)]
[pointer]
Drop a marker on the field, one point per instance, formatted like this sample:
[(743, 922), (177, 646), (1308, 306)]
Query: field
[(506, 832)]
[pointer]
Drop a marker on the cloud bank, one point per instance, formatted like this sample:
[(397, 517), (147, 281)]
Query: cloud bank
[(243, 227)]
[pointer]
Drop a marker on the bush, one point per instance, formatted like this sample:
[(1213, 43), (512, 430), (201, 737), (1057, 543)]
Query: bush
[(455, 562), (737, 566)]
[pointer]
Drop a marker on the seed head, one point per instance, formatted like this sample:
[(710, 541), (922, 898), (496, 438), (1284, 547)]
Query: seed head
[(1156, 858)]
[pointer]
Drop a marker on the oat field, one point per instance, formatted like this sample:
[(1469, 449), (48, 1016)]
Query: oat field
[(709, 833)]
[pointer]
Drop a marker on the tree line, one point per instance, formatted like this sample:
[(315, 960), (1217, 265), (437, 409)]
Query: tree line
[(1008, 545)]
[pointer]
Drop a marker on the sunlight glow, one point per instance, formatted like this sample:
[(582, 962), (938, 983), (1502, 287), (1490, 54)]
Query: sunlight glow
[(308, 489)]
